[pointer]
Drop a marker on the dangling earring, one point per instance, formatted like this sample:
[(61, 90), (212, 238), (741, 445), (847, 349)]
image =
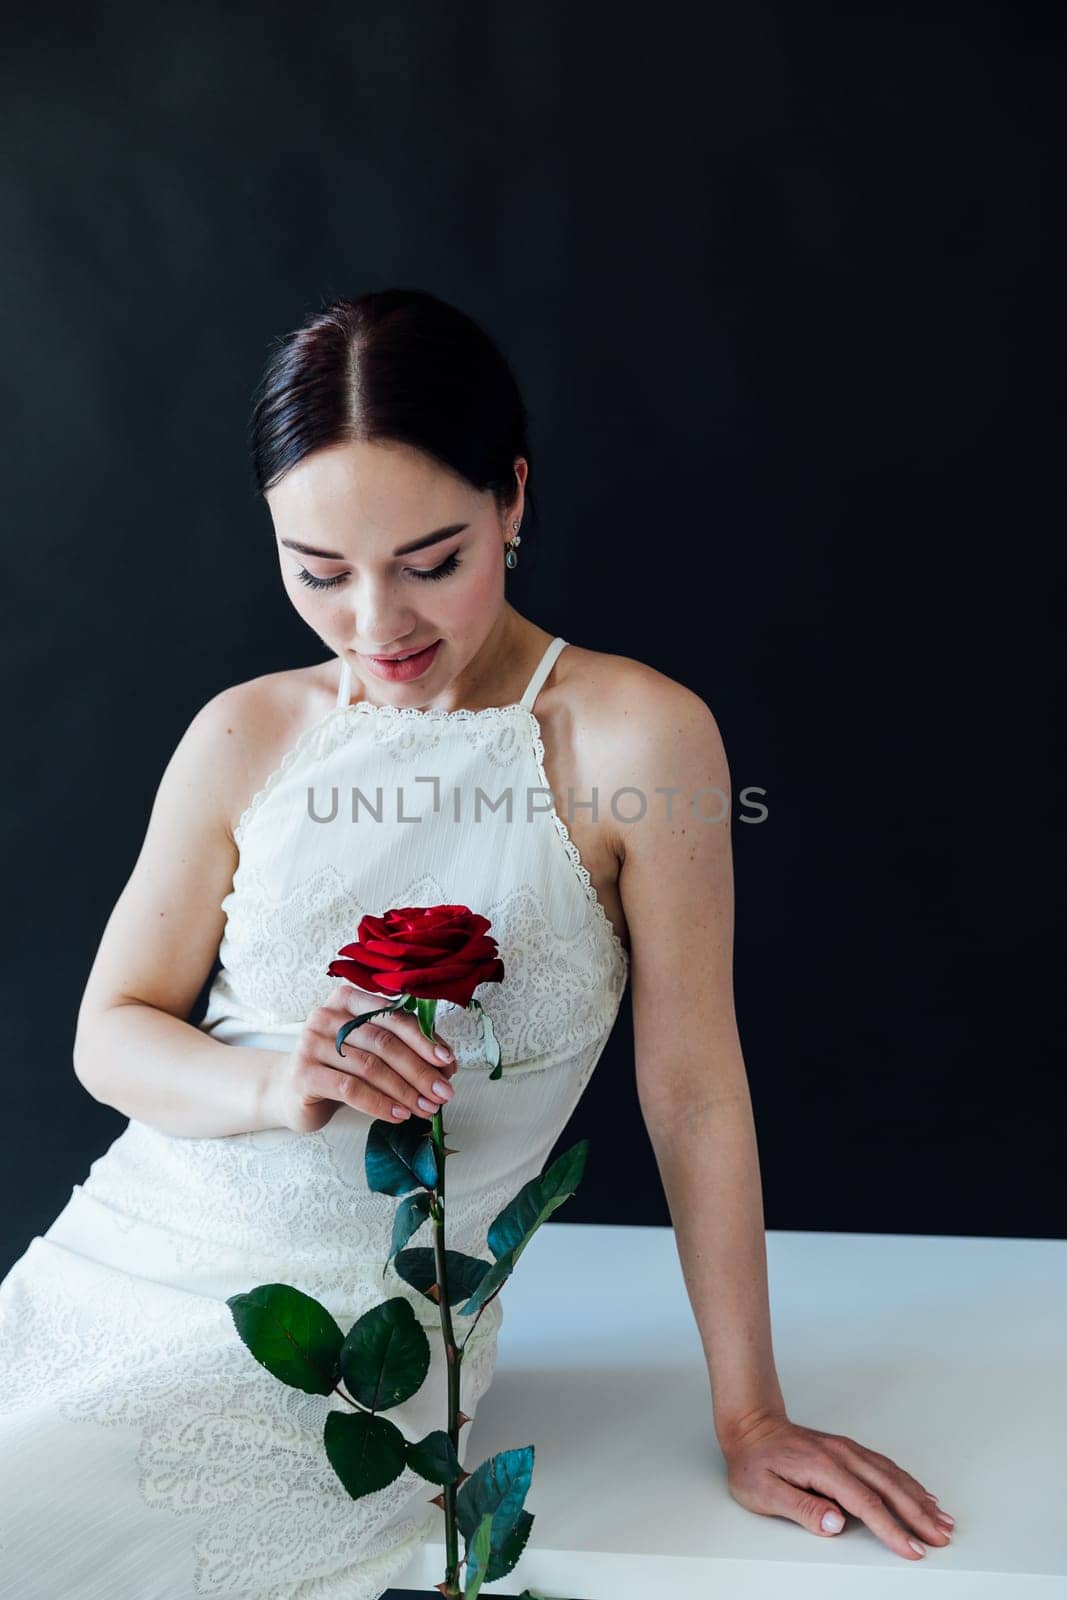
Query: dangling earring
[(511, 556)]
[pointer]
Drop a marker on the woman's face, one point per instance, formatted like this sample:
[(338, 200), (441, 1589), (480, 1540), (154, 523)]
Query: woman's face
[(345, 518)]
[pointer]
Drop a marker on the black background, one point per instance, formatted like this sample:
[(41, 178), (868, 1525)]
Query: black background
[(782, 286)]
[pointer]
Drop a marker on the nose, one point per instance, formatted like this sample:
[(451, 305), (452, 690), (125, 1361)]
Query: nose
[(382, 622)]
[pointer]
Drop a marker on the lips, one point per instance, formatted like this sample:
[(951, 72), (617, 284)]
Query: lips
[(404, 654)]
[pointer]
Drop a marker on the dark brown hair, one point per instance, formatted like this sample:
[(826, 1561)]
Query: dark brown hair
[(398, 364)]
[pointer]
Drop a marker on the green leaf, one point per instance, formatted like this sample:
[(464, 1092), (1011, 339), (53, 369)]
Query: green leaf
[(386, 1355), (419, 1268), (410, 1216), (365, 1452), (478, 1558), (290, 1334), (536, 1201), (512, 1230), (434, 1458), (498, 1274), (426, 1012), (499, 1486), (346, 1027), (400, 1156), (502, 1560)]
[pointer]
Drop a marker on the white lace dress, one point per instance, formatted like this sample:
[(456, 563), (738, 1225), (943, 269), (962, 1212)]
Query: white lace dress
[(144, 1453)]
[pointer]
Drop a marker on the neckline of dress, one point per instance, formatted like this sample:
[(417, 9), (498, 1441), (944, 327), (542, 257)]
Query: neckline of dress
[(548, 659), (368, 706), (537, 749)]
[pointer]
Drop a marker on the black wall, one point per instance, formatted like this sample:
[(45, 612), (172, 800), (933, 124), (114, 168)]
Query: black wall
[(783, 287)]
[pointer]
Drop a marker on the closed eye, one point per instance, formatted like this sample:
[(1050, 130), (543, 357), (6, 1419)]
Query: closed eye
[(423, 575)]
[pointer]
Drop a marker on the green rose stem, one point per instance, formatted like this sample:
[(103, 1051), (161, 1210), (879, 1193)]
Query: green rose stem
[(426, 1010), (450, 1589), (453, 1354), (385, 1356)]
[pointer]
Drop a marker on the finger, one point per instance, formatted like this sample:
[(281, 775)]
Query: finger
[(327, 1083), (854, 1495), (388, 1064), (920, 1489), (436, 1050), (353, 1000), (411, 1068), (897, 1488)]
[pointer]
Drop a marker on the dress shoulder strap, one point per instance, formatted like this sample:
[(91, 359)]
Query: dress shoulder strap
[(532, 690), (541, 672)]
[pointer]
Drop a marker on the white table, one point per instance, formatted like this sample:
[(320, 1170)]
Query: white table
[(947, 1354)]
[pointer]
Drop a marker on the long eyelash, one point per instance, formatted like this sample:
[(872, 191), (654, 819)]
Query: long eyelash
[(315, 583), (448, 565)]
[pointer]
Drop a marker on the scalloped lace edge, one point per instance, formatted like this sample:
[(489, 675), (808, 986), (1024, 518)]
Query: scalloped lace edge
[(366, 707), (582, 873), (462, 714)]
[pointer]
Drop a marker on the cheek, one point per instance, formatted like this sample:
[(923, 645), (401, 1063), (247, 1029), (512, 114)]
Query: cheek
[(478, 595), (304, 600), (319, 609)]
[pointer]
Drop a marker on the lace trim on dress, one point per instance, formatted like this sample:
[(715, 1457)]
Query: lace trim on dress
[(366, 708), (571, 848), (217, 1439), (463, 714)]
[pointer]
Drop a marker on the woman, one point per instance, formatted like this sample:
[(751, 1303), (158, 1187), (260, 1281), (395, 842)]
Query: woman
[(146, 1451)]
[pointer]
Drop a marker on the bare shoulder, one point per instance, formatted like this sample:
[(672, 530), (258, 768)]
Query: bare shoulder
[(637, 734), (636, 711), (243, 731), (163, 933)]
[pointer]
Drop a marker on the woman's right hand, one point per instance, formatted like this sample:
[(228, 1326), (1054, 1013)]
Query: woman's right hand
[(387, 1063)]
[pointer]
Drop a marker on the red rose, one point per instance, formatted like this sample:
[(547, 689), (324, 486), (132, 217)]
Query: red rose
[(430, 952)]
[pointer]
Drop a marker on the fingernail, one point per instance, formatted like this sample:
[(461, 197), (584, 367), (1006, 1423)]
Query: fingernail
[(442, 1052), (832, 1523), (401, 1111), (920, 1549), (943, 1516), (443, 1089)]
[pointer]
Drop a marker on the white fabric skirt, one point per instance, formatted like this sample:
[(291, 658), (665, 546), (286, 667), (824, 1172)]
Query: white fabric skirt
[(144, 1453)]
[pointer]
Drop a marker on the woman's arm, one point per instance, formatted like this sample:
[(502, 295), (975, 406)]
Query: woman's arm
[(133, 1048), (676, 885)]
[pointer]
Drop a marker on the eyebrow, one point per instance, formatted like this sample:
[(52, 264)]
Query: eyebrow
[(402, 550)]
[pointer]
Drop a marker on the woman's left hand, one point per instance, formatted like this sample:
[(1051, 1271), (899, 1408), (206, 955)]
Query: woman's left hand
[(778, 1468)]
